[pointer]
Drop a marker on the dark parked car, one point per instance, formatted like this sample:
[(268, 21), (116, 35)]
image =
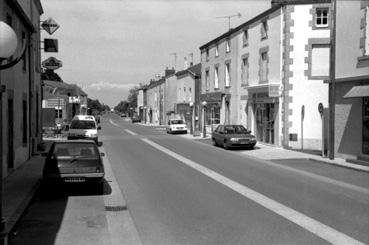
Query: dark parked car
[(135, 118), (74, 161), (233, 136)]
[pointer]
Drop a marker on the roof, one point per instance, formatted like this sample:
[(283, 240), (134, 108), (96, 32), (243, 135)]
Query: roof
[(195, 71), (278, 4), (62, 87)]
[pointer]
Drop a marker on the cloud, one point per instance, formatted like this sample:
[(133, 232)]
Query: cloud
[(107, 86)]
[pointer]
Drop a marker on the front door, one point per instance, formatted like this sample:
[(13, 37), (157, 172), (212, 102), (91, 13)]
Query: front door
[(265, 122)]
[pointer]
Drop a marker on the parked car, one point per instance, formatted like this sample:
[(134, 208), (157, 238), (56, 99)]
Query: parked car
[(74, 161), (176, 126), (84, 127), (135, 118), (233, 136)]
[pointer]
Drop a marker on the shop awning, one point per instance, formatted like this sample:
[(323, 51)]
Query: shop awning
[(358, 91)]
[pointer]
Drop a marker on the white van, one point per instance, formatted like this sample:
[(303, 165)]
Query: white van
[(84, 127)]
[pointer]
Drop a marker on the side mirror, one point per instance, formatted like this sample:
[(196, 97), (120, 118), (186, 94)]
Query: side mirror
[(249, 131), (100, 143), (98, 127), (102, 154)]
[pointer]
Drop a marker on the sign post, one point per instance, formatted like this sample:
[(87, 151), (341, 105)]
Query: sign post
[(321, 110), (302, 126)]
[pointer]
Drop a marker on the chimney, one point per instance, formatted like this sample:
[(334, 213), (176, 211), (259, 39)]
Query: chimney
[(169, 72), (185, 64)]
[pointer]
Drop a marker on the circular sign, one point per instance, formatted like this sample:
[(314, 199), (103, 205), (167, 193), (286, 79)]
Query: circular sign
[(8, 40), (320, 108)]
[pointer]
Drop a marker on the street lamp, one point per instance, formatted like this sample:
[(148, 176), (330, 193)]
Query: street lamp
[(203, 119), (8, 45)]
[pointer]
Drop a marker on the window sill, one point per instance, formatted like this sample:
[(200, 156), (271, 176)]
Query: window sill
[(245, 45), (264, 38)]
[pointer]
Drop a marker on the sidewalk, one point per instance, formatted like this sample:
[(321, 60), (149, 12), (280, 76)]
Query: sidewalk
[(270, 152), (19, 189)]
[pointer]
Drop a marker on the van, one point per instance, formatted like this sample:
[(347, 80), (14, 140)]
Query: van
[(84, 127)]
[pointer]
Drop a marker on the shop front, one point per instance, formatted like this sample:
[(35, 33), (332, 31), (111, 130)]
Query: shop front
[(265, 112), (213, 108)]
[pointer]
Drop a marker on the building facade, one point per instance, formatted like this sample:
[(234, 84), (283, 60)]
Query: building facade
[(352, 80), (272, 60), (21, 85)]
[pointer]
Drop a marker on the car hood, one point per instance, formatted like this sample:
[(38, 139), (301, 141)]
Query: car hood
[(244, 136)]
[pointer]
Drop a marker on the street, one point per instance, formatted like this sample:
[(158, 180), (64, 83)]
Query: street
[(167, 189)]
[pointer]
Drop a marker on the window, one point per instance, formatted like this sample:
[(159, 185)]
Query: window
[(366, 48), (216, 77), (244, 71), (25, 124), (264, 30), (319, 60), (207, 85), (228, 46), (216, 50), (245, 38), (227, 75), (207, 54), (263, 67), (321, 17)]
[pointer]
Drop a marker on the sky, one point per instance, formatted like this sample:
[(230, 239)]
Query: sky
[(110, 46)]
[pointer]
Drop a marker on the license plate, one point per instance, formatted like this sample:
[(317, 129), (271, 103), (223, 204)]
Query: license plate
[(74, 179)]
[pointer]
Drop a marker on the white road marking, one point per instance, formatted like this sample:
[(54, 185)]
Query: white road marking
[(113, 122), (130, 132), (323, 231), (120, 224)]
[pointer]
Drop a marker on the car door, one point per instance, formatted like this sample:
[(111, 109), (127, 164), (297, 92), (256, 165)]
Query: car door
[(219, 135)]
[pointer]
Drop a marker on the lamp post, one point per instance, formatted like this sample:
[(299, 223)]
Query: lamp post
[(8, 45), (203, 119)]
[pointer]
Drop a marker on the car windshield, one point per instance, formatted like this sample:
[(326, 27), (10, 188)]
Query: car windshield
[(75, 150), (237, 129), (177, 122), (83, 124)]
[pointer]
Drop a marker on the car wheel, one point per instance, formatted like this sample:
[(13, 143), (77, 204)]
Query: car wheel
[(225, 145)]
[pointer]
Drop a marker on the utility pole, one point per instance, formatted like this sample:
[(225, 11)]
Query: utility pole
[(332, 82), (229, 18)]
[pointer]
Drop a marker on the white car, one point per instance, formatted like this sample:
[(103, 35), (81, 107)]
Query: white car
[(84, 127), (176, 126)]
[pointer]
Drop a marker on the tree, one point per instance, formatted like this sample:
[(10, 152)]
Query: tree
[(50, 75), (95, 107)]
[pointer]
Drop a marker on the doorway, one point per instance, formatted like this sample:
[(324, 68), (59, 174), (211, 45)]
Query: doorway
[(265, 119)]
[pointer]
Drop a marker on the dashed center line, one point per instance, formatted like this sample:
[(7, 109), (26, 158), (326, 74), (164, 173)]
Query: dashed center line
[(323, 231)]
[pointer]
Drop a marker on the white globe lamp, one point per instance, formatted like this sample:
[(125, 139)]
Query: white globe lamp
[(8, 41)]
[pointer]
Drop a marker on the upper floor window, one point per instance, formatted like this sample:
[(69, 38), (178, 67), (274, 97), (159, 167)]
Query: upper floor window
[(321, 17), (207, 82), (228, 46), (207, 54), (264, 29), (263, 67), (227, 74), (216, 77), (244, 71), (216, 50), (245, 38)]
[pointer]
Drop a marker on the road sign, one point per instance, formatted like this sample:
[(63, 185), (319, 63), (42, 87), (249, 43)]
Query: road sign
[(52, 63), (302, 112), (50, 26), (50, 45), (320, 108)]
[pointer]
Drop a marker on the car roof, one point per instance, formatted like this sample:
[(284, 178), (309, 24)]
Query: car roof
[(74, 141)]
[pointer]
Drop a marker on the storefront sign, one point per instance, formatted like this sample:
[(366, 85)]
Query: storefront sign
[(52, 63), (50, 45), (50, 26)]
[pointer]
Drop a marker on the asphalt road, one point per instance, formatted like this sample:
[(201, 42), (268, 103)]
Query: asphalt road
[(183, 192), (180, 191)]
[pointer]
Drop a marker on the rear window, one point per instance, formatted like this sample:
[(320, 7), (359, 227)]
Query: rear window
[(176, 122), (82, 124), (71, 150)]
